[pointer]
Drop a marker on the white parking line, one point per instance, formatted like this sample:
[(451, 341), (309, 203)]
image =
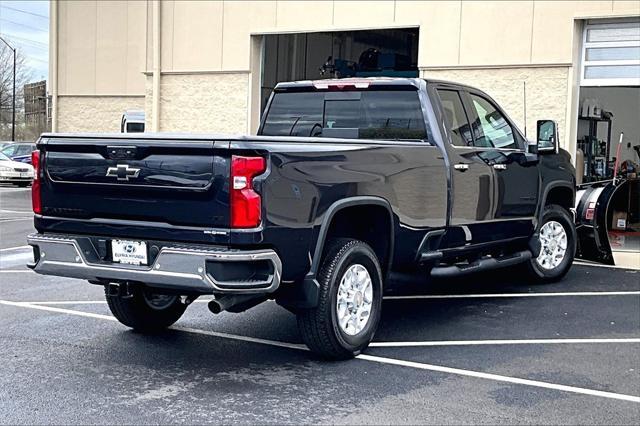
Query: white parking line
[(16, 211), (602, 265), (499, 295), (58, 310), (378, 359), (16, 271), (14, 248), (499, 378), (498, 342), (15, 220), (91, 302), (426, 296)]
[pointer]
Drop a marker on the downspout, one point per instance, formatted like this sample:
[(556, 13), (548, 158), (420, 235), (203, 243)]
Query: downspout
[(155, 106), (53, 64)]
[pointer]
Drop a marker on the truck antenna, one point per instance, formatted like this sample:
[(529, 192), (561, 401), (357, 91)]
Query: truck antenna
[(524, 102)]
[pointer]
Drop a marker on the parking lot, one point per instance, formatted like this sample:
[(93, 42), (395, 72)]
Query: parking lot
[(488, 349)]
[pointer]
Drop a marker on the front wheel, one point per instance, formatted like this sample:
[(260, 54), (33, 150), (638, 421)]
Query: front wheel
[(557, 236), (145, 311), (350, 301)]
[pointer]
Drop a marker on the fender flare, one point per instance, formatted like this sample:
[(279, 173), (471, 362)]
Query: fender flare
[(548, 188), (309, 291)]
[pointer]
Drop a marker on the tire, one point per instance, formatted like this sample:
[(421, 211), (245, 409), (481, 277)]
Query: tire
[(540, 269), (142, 311), (320, 327)]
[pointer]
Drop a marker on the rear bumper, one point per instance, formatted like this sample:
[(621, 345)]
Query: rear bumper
[(197, 269)]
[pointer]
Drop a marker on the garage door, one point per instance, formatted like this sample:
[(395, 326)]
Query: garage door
[(611, 54)]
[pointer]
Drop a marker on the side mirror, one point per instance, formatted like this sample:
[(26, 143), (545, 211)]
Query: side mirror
[(547, 136)]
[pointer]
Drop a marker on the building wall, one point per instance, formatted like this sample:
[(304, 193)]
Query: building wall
[(207, 48), (101, 48), (203, 103), (94, 114)]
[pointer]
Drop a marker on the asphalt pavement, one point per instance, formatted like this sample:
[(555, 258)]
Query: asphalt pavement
[(490, 349)]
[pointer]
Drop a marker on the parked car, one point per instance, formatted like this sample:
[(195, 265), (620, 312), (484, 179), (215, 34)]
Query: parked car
[(19, 151), (15, 172), (349, 183), (132, 121)]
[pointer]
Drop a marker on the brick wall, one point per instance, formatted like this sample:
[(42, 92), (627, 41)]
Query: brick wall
[(201, 103), (94, 114)]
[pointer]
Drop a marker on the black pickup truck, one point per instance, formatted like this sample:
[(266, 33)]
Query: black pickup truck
[(348, 183)]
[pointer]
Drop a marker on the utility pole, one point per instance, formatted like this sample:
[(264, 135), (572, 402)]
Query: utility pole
[(13, 113)]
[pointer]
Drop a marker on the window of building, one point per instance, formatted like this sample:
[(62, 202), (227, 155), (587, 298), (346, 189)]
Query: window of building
[(611, 53)]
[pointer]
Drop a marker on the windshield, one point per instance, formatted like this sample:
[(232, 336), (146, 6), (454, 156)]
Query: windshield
[(379, 114), (4, 157)]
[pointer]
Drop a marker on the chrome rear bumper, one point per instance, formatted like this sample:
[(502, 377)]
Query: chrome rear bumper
[(176, 268)]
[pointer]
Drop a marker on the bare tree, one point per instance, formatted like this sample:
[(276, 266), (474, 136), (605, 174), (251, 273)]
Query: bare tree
[(23, 75)]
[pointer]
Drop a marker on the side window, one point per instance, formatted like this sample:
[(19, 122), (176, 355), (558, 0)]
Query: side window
[(456, 117), (24, 150), (10, 150), (494, 130)]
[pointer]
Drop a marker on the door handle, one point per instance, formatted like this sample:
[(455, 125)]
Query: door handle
[(500, 166), (461, 167)]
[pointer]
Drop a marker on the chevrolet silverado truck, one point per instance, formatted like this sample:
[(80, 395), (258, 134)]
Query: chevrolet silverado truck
[(348, 184)]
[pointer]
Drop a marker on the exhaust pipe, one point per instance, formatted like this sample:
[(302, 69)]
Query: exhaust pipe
[(235, 303)]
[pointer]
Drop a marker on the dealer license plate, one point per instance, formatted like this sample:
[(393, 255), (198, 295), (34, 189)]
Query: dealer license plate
[(130, 252)]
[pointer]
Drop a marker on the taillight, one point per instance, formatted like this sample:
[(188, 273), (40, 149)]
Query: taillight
[(246, 204), (35, 186), (590, 212)]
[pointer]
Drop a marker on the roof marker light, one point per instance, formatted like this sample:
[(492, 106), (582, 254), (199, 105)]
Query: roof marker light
[(341, 84)]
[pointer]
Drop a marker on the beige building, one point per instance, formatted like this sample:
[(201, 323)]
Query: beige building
[(196, 66)]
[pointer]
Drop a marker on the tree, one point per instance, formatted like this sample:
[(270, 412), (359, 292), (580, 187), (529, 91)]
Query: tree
[(23, 75)]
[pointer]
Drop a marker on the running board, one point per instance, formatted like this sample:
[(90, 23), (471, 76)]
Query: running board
[(485, 264)]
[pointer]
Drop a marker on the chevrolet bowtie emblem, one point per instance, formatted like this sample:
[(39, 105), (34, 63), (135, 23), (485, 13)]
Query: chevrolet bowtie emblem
[(123, 172)]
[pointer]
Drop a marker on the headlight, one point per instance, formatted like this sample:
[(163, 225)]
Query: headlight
[(5, 169)]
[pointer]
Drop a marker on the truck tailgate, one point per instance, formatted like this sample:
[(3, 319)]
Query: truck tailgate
[(178, 182)]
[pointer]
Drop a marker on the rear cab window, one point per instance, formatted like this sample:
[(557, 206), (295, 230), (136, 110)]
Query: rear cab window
[(348, 114)]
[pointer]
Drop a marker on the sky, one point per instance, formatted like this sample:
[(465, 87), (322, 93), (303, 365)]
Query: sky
[(25, 24)]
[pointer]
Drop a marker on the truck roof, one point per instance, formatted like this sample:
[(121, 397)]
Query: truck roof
[(359, 82)]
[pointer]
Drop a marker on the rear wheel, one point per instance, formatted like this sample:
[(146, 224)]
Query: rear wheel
[(348, 311), (144, 310), (557, 236)]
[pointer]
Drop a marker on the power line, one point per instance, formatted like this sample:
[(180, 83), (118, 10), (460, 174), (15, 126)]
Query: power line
[(31, 58), (25, 39), (24, 25), (24, 11)]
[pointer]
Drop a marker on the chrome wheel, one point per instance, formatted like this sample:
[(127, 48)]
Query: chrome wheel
[(553, 239), (354, 300), (159, 301)]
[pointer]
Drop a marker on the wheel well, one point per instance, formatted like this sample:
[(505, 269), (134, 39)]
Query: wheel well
[(368, 223), (561, 196)]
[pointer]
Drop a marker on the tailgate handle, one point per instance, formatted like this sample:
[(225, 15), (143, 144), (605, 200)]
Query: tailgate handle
[(121, 152)]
